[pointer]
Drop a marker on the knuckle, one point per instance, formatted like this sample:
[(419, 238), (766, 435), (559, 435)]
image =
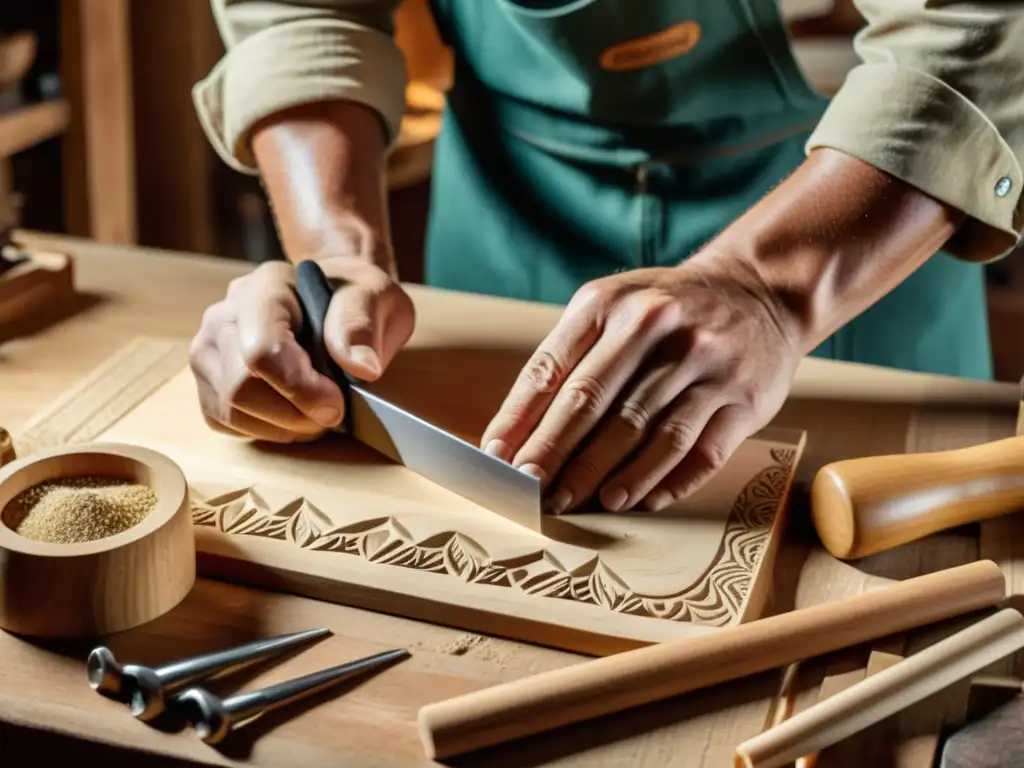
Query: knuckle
[(702, 339), (714, 456), (679, 435), (589, 293), (645, 312), (237, 287), (259, 355), (750, 397), (635, 417), (213, 317), (584, 396), (543, 372), (196, 348), (546, 454), (668, 311), (583, 473)]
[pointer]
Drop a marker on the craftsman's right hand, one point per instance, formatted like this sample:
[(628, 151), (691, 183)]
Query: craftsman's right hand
[(254, 378)]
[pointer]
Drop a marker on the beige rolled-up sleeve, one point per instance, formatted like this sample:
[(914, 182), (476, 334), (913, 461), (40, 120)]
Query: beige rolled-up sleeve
[(938, 101), (284, 53)]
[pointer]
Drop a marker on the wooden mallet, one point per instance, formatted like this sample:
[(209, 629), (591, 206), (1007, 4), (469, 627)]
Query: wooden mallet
[(868, 505)]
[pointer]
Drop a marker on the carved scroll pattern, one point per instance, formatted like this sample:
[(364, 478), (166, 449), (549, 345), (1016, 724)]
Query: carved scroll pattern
[(715, 598)]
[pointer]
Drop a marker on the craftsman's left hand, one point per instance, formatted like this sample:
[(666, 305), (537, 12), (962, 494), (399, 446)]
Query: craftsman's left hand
[(648, 384)]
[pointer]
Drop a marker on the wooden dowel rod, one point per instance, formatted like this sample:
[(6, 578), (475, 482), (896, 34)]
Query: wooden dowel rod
[(613, 683), (886, 693)]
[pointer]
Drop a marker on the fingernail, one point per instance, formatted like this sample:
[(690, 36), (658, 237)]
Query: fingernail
[(327, 416), (366, 357), (498, 448), (659, 500), (613, 499), (560, 502), (534, 471)]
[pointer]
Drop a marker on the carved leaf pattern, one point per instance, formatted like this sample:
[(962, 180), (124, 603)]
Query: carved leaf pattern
[(463, 557), (715, 598), (306, 524)]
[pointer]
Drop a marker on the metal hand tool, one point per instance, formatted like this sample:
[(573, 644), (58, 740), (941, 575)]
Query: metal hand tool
[(145, 689), (427, 450), (214, 718)]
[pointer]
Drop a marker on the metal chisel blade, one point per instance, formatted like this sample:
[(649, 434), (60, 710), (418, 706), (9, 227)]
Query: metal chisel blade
[(445, 459), (437, 455)]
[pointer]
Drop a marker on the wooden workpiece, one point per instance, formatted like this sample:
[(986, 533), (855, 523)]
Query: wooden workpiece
[(46, 708), (338, 522)]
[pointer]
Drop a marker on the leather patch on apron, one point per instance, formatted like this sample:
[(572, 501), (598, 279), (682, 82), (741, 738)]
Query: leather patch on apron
[(653, 49)]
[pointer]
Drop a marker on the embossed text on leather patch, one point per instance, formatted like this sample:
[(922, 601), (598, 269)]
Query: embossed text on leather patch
[(641, 52)]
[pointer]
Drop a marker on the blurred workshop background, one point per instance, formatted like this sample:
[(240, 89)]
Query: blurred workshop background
[(98, 136)]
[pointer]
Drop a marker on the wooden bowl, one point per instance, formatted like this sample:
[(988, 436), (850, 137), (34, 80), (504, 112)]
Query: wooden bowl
[(107, 585)]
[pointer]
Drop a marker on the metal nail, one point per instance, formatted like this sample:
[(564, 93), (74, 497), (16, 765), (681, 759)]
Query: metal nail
[(144, 689), (214, 718)]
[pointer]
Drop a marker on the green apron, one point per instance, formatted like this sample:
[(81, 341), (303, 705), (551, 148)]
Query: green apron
[(578, 142)]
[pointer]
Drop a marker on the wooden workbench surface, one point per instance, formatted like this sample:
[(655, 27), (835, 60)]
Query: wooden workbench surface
[(46, 705)]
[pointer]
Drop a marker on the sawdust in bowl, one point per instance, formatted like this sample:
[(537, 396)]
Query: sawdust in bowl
[(79, 509)]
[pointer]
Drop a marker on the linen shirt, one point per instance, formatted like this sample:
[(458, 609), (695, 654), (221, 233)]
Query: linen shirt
[(936, 100)]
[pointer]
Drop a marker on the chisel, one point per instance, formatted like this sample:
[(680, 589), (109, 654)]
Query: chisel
[(437, 455)]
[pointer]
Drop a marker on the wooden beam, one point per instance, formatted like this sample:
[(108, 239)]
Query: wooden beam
[(99, 160), (176, 44)]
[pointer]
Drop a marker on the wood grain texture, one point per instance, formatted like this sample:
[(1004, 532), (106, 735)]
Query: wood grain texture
[(103, 586), (99, 145), (338, 522), (100, 398)]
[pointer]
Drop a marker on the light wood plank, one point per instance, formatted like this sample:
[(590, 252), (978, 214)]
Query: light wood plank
[(99, 158)]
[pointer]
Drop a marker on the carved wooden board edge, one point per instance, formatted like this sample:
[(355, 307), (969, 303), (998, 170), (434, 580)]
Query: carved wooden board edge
[(758, 594), (110, 392), (242, 536)]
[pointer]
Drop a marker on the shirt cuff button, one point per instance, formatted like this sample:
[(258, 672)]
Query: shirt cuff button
[(1003, 186)]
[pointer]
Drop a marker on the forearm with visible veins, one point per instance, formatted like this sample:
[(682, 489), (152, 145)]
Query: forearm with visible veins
[(323, 168)]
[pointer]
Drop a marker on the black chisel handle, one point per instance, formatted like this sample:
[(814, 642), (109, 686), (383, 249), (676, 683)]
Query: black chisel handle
[(315, 292)]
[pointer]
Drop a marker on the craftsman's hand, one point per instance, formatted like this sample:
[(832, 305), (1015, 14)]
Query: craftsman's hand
[(253, 377), (647, 385)]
